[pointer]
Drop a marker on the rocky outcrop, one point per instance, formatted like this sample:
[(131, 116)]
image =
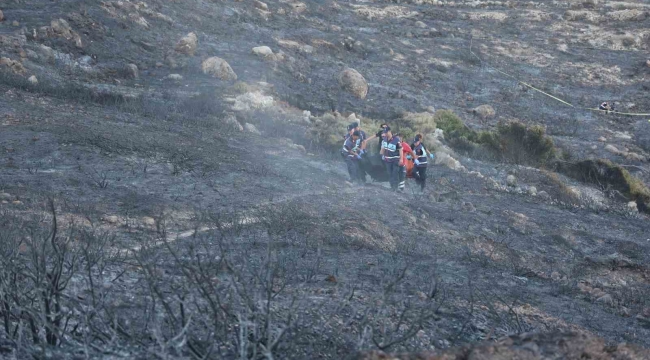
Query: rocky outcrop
[(61, 28), (15, 66), (353, 82)]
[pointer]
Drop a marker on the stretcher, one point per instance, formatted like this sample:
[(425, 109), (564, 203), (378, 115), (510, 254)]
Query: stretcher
[(374, 166)]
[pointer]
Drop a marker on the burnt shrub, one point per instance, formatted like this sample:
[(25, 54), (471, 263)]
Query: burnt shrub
[(608, 175)]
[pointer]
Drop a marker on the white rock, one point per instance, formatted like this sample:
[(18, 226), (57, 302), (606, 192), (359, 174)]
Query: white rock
[(33, 80), (175, 77), (631, 206), (251, 129), (263, 51), (611, 148), (420, 24), (532, 191), (260, 5), (149, 221), (511, 180)]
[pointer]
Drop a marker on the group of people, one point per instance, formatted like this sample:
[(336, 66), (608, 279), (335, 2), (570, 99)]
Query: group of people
[(394, 152)]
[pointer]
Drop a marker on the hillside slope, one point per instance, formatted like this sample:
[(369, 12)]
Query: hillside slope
[(155, 206)]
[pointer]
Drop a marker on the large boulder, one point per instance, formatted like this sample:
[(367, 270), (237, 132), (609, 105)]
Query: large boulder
[(187, 45), (352, 81), (218, 68)]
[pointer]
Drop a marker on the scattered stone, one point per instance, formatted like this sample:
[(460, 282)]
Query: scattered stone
[(298, 7), (556, 276), (606, 299), (131, 71), (468, 206), (260, 5), (17, 202), (2, 16), (231, 121), (430, 109), (149, 221), (290, 44), (420, 24), (511, 180), (484, 111), (111, 219), (218, 68), (544, 195), (532, 191), (263, 51), (611, 148), (188, 44), (337, 28), (251, 129), (631, 206), (647, 63), (159, 64), (602, 139), (15, 23), (353, 82), (175, 77), (5, 197)]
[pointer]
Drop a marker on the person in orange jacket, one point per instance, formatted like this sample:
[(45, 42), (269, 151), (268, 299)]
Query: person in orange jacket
[(407, 155)]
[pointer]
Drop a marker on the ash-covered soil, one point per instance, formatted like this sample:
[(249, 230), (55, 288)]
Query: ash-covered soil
[(140, 221)]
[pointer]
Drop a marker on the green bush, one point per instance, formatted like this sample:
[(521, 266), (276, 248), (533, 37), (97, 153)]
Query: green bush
[(453, 126)]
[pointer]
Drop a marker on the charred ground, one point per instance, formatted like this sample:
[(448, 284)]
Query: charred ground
[(178, 235)]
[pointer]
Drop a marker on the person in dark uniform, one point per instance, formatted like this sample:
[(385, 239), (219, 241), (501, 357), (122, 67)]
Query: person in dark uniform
[(420, 168), (350, 152), (392, 154), (607, 107)]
